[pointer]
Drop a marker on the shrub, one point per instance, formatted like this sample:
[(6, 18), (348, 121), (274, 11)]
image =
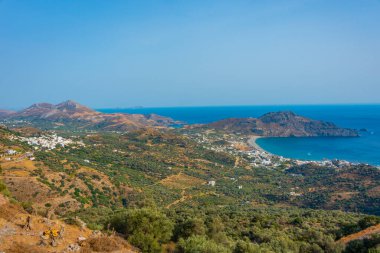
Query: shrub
[(2, 186), (200, 244), (28, 206), (368, 221), (22, 248), (363, 246), (189, 227), (145, 228), (105, 244), (247, 247)]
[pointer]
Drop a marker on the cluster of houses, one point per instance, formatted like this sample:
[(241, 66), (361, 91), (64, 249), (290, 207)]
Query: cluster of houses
[(11, 154), (48, 141), (256, 155), (8, 154)]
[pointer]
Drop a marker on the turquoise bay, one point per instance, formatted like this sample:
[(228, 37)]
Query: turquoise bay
[(365, 149), (320, 148)]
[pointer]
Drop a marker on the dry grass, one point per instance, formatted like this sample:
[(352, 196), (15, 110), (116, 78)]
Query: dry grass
[(374, 192), (28, 131), (8, 211), (343, 196), (104, 244), (242, 146), (23, 164), (103, 181), (25, 248), (181, 181), (16, 239), (246, 178), (28, 189), (361, 234)]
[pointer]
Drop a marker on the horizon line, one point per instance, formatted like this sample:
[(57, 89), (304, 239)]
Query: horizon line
[(242, 105), (137, 107)]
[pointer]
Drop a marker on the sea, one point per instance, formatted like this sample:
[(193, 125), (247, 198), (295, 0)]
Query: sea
[(363, 149)]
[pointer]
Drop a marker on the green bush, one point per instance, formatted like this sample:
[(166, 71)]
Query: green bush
[(371, 245), (368, 221), (28, 206), (2, 186), (200, 244), (144, 228), (248, 247), (189, 227)]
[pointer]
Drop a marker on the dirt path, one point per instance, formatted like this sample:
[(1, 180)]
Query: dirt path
[(361, 234), (237, 162), (185, 197)]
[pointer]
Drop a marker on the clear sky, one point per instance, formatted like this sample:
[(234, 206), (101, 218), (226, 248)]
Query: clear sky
[(185, 53)]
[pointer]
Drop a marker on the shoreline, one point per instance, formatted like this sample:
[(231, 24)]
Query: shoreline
[(252, 142)]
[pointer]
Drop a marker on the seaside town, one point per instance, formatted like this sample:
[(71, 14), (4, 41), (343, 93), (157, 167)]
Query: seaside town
[(245, 146)]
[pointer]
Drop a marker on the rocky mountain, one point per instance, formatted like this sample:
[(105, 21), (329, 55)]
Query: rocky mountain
[(5, 113), (66, 110), (282, 124), (70, 112)]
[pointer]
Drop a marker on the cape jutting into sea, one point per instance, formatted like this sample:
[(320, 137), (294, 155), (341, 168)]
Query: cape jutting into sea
[(364, 149)]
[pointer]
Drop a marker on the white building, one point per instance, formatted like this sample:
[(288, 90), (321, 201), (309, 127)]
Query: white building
[(11, 152)]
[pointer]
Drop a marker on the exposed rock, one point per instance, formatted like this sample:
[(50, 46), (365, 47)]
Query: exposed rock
[(73, 248)]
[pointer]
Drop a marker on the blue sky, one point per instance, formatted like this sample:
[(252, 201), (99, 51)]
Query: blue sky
[(186, 53)]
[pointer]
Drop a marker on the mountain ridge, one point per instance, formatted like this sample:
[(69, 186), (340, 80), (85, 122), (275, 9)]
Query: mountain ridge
[(4, 113), (282, 124), (72, 112)]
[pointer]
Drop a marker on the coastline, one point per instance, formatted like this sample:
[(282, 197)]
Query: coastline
[(252, 142)]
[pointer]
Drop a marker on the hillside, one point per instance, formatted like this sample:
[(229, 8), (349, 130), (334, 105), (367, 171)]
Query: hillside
[(70, 114), (366, 233), (107, 179), (282, 124), (5, 113), (23, 232)]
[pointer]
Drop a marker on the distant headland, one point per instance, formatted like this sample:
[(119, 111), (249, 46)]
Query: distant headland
[(282, 124)]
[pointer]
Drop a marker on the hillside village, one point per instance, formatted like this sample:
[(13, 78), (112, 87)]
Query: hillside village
[(49, 142)]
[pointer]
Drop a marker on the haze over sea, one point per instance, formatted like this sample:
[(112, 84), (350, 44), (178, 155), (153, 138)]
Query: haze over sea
[(365, 149)]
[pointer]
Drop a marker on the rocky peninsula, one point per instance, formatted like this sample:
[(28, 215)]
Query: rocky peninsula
[(282, 124)]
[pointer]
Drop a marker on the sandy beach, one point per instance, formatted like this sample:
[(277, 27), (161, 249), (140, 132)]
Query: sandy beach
[(252, 142)]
